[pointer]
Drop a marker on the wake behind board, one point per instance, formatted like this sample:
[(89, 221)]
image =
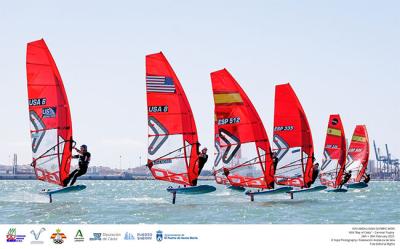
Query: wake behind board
[(268, 192), (192, 190), (337, 190), (236, 188), (357, 185), (65, 190)]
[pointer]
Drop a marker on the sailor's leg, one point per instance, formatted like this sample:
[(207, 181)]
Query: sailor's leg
[(68, 179), (78, 174)]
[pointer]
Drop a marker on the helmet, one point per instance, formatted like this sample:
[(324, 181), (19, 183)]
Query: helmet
[(84, 146)]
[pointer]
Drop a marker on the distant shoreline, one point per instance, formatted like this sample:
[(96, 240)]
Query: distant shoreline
[(95, 178)]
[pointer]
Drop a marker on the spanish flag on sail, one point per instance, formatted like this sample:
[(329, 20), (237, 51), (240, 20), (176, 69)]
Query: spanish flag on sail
[(227, 98), (334, 132), (359, 139)]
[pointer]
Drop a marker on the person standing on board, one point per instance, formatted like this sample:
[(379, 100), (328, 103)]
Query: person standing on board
[(201, 160), (275, 161), (367, 178), (346, 178), (315, 173), (84, 160)]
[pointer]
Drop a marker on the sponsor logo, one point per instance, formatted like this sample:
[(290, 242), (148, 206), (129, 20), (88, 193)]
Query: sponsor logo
[(110, 236), (331, 146), (144, 236), (335, 121), (13, 237), (158, 129), (159, 108), (49, 112), (175, 236), (37, 102), (96, 236), (225, 121), (284, 128), (36, 236), (79, 236), (162, 161), (129, 236), (159, 236), (58, 237), (355, 150)]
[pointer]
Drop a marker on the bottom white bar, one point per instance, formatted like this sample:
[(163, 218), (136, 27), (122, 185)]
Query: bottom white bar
[(189, 236)]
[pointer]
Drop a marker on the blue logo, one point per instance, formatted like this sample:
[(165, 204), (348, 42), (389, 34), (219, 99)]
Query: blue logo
[(49, 112), (129, 236), (96, 236), (159, 236)]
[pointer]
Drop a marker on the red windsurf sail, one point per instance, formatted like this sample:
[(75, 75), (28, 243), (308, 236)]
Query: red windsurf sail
[(358, 154), (49, 113), (292, 139), (245, 153), (172, 150), (334, 161)]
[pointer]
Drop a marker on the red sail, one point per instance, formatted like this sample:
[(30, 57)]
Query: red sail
[(245, 150), (292, 139), (358, 154), (172, 150), (51, 128), (333, 165)]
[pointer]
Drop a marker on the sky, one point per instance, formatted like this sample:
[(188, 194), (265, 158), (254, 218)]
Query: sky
[(339, 56)]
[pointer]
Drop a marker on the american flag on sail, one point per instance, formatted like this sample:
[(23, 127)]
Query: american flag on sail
[(160, 84)]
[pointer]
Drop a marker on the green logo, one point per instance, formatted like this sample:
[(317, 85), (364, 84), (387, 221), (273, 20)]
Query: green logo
[(79, 236)]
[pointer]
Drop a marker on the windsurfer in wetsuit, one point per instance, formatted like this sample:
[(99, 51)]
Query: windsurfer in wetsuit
[(275, 161), (201, 160), (84, 159), (367, 178), (346, 178), (315, 173)]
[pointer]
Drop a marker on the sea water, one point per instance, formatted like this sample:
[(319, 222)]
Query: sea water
[(148, 202)]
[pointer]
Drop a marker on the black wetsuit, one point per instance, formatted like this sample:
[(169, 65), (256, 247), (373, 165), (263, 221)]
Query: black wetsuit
[(346, 178), (314, 175), (367, 178), (275, 161), (84, 160), (202, 159)]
